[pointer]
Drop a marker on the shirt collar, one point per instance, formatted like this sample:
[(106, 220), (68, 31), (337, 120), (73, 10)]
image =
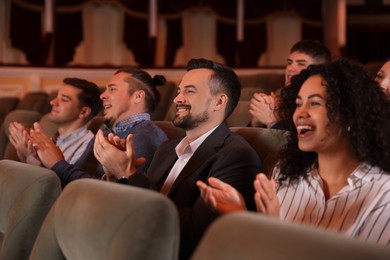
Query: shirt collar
[(130, 121), (362, 174), (62, 138), (185, 147)]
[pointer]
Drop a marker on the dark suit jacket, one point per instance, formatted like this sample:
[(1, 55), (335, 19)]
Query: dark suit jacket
[(223, 155)]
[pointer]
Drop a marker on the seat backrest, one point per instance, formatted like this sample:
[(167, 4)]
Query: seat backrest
[(27, 193), (35, 101), (96, 123), (266, 142), (240, 115), (25, 117), (98, 220), (248, 235), (170, 130), (167, 93), (7, 105)]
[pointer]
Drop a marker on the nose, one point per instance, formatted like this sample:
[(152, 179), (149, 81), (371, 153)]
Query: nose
[(103, 96), (179, 98), (301, 112), (54, 101)]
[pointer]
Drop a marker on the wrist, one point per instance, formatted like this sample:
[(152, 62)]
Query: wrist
[(123, 180)]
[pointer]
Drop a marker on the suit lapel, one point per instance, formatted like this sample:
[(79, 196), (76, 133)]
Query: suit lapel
[(205, 151)]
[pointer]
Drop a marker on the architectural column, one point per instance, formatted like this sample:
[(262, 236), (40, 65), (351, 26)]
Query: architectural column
[(335, 22)]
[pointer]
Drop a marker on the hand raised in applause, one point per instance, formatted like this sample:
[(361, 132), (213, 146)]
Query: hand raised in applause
[(266, 199), (19, 137), (262, 108), (48, 152), (116, 155), (220, 196)]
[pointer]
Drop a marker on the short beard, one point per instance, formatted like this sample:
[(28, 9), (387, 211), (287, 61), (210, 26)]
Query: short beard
[(189, 122)]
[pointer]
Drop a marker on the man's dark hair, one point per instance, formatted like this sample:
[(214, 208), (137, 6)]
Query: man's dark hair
[(146, 83), (89, 95), (314, 49), (224, 80)]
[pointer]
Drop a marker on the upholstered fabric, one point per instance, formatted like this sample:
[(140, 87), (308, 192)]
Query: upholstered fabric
[(170, 130), (99, 220), (266, 142), (253, 236), (7, 105), (240, 115), (35, 101), (26, 195), (167, 94), (25, 117)]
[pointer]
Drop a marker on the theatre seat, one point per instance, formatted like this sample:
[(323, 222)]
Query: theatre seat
[(248, 236), (25, 117), (26, 194), (170, 130), (99, 220), (266, 142)]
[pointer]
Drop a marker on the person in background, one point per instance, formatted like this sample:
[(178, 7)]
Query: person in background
[(303, 53), (77, 102), (206, 96), (334, 171), (128, 100), (383, 77)]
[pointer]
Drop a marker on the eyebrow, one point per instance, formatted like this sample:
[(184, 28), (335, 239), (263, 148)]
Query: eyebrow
[(66, 97), (311, 96), (298, 61), (187, 87)]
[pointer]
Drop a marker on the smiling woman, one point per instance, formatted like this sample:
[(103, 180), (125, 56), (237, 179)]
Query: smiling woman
[(336, 158)]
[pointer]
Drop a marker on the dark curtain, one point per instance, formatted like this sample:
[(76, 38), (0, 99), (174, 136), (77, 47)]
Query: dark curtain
[(68, 32), (25, 26), (368, 42), (26, 32), (311, 12)]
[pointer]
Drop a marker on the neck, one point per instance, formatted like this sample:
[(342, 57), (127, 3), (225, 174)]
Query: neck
[(198, 131), (334, 170)]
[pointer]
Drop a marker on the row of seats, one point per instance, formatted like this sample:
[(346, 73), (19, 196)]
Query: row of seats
[(266, 142), (33, 101), (40, 101), (92, 219)]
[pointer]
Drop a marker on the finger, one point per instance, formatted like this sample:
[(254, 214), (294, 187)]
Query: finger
[(266, 186), (139, 161), (129, 145), (218, 184), (259, 204)]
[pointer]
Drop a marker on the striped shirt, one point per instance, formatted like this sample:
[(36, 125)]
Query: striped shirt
[(360, 209)]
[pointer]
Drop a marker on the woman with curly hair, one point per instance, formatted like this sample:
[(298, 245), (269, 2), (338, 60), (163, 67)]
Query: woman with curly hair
[(334, 171)]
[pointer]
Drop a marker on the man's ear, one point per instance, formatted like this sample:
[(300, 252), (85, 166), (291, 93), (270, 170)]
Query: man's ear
[(85, 112), (139, 96), (221, 101)]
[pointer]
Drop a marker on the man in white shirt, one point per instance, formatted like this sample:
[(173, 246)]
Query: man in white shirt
[(77, 102)]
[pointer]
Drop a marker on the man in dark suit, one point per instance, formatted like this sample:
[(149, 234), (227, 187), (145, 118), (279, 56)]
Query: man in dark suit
[(207, 95)]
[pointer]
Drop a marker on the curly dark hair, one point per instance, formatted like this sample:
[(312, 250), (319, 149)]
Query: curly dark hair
[(355, 101)]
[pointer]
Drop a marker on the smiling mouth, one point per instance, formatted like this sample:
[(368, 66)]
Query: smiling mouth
[(180, 109), (107, 106), (303, 129)]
